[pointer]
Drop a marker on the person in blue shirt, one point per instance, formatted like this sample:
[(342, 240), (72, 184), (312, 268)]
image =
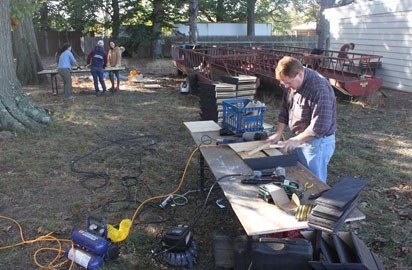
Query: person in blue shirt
[(98, 59), (66, 61)]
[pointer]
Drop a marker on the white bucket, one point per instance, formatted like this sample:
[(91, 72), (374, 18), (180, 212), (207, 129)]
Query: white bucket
[(184, 88)]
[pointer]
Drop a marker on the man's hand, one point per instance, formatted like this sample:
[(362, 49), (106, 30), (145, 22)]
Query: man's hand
[(274, 138), (291, 144)]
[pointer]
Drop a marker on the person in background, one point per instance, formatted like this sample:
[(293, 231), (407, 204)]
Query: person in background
[(114, 59), (309, 109), (343, 52), (98, 59), (66, 61)]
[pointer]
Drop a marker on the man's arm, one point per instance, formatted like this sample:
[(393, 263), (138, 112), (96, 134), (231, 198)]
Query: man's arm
[(277, 136)]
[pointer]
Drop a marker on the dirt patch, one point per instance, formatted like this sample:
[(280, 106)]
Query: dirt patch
[(107, 154)]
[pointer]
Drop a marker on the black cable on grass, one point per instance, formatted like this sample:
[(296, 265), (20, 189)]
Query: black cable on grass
[(88, 175), (196, 219)]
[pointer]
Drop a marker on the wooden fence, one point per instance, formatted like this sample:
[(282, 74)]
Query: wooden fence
[(50, 41)]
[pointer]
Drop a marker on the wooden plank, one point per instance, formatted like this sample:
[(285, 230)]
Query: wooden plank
[(246, 146), (202, 126), (270, 152), (244, 155)]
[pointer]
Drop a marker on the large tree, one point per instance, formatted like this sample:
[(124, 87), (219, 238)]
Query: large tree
[(25, 48), (251, 17), (322, 27), (157, 19), (193, 11), (17, 111)]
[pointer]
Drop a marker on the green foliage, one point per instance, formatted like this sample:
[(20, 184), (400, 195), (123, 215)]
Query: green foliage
[(135, 36), (20, 9), (222, 10)]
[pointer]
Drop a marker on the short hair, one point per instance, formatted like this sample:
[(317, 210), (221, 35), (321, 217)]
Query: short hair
[(288, 66), (353, 45), (65, 47)]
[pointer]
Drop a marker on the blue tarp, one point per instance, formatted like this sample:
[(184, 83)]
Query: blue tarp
[(106, 74)]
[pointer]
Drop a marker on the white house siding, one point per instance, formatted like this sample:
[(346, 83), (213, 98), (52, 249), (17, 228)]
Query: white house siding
[(226, 29), (380, 27)]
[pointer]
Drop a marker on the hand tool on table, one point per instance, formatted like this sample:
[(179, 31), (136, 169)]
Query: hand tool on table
[(306, 186), (262, 177)]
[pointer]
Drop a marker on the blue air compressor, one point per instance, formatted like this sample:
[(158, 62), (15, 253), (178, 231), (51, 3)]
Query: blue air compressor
[(92, 248)]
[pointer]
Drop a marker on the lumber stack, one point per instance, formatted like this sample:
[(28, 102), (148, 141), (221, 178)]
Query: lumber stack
[(211, 95)]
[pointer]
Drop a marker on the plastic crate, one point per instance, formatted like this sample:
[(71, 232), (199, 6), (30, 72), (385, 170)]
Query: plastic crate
[(239, 119)]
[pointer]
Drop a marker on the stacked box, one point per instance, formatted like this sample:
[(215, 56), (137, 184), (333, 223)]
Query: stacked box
[(245, 85), (212, 95)]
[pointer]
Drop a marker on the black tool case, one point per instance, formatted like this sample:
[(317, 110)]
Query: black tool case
[(281, 254)]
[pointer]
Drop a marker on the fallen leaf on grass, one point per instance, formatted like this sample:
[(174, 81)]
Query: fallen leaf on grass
[(40, 230), (407, 250), (355, 226), (75, 211), (6, 228), (404, 214)]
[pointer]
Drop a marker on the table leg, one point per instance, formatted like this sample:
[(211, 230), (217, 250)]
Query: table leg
[(249, 251), (55, 81), (316, 247)]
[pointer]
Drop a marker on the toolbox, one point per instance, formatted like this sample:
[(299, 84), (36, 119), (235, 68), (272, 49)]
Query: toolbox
[(240, 117), (272, 253), (281, 254)]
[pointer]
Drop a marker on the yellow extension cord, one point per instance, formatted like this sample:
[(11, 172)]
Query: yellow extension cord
[(48, 236)]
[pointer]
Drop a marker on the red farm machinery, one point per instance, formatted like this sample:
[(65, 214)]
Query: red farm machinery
[(354, 75)]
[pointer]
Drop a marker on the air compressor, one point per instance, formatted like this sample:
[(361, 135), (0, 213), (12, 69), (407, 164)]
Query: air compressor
[(91, 246)]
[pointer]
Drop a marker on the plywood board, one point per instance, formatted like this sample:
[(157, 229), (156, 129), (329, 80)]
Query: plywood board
[(202, 126)]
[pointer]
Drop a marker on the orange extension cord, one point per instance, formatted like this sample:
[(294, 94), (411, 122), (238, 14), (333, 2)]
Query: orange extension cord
[(48, 236)]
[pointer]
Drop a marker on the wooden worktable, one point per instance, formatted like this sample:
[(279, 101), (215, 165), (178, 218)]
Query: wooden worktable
[(256, 216), (54, 72)]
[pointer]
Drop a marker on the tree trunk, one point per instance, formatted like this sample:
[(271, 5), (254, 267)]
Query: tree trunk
[(251, 17), (322, 28), (17, 111), (157, 19), (26, 52), (220, 11), (115, 19), (193, 11)]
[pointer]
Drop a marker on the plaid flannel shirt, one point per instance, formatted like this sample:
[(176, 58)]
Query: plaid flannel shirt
[(311, 108)]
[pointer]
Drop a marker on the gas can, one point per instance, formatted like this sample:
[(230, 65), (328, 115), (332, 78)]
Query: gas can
[(84, 258), (91, 242)]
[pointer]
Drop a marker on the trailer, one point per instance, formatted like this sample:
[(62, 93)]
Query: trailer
[(354, 75)]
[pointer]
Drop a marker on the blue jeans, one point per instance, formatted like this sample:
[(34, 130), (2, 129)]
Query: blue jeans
[(315, 155), (97, 74)]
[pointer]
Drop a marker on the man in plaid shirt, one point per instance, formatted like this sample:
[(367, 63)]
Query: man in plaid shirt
[(309, 109)]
